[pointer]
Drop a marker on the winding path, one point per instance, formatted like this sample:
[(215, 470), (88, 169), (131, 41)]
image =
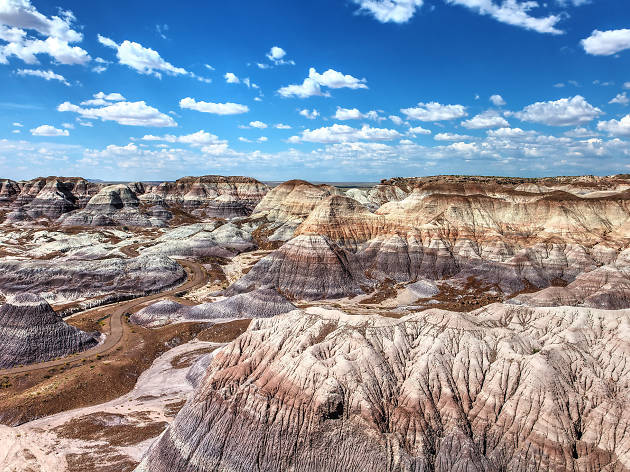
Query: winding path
[(197, 277)]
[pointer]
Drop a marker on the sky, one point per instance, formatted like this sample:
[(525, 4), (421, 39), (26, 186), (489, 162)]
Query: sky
[(324, 90)]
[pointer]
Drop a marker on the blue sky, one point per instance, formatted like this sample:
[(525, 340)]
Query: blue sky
[(327, 90)]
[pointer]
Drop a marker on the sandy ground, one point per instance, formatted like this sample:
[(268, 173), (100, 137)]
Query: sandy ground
[(115, 433)]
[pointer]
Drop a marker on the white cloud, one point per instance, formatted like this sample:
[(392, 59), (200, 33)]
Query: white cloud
[(509, 133), (434, 111), (312, 84), (47, 130), (621, 99), (277, 56), (344, 133), (607, 43), (101, 99), (215, 108), (451, 137), (616, 127), (418, 130), (397, 120), (497, 100), (564, 112), (16, 131), (263, 66), (244, 140), (230, 78), (262, 139), (124, 113), (386, 11), (462, 147), (354, 114), (626, 85), (18, 124), (141, 59), (198, 139), (282, 126), (161, 30), (17, 16), (68, 125), (44, 74), (333, 79), (580, 133), (487, 119), (310, 114), (209, 67), (309, 88), (258, 124), (514, 13)]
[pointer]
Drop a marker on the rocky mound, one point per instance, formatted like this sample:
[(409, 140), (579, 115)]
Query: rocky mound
[(211, 196), (263, 303), (79, 279), (308, 267), (343, 220), (288, 204), (112, 205), (32, 332), (203, 239), (376, 196), (503, 388)]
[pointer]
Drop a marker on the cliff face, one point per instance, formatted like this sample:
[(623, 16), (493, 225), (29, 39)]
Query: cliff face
[(503, 388), (32, 332)]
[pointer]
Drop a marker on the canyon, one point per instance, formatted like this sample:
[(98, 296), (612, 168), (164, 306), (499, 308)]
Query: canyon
[(443, 323)]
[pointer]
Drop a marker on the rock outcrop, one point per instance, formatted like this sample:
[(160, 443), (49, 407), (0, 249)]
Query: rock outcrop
[(203, 239), (263, 303), (308, 267), (32, 332), (501, 389), (79, 279), (288, 205)]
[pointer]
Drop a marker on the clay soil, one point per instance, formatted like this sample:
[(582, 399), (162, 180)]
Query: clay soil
[(474, 294), (92, 381)]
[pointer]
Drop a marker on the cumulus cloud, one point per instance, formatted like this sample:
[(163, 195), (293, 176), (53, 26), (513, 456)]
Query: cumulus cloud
[(451, 137), (564, 112), (418, 130), (343, 114), (515, 13), (310, 114), (397, 120), (308, 88), (282, 126), (616, 127), (434, 111), (198, 139), (18, 16), (258, 124), (124, 113), (102, 98), (143, 60), (44, 74), (497, 100), (215, 108), (485, 120), (607, 43), (621, 99), (313, 83), (277, 55), (231, 78), (47, 130), (390, 11), (344, 133), (509, 132)]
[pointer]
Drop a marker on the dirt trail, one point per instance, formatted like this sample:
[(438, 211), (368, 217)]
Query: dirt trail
[(197, 277)]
